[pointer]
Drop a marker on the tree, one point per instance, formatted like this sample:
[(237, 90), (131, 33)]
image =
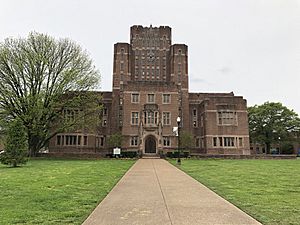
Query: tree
[(186, 140), (40, 79), (271, 123), (115, 140), (16, 146)]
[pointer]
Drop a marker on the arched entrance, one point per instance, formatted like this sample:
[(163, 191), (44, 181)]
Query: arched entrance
[(150, 145)]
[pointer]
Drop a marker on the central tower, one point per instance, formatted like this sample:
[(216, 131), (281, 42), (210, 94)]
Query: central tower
[(151, 53), (150, 89)]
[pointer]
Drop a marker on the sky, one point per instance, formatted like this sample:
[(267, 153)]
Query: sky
[(250, 47)]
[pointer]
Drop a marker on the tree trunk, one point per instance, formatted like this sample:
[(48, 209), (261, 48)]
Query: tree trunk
[(268, 144), (34, 145)]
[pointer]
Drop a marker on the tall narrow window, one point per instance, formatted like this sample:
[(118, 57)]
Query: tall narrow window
[(134, 118), (151, 98), (166, 98), (79, 140), (240, 142), (198, 142), (215, 142), (104, 111), (221, 141), (167, 141), (135, 98), (58, 140), (134, 141), (166, 118), (85, 140), (101, 141)]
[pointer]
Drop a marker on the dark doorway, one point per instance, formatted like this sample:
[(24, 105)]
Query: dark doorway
[(150, 145)]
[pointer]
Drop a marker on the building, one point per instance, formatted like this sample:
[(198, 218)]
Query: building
[(150, 90)]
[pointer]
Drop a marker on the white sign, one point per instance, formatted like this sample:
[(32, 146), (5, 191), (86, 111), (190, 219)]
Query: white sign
[(117, 151), (175, 131)]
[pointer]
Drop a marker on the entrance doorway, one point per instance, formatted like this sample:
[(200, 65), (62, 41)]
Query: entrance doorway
[(150, 145)]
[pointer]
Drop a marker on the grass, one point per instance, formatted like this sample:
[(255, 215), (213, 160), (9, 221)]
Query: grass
[(56, 191), (268, 190)]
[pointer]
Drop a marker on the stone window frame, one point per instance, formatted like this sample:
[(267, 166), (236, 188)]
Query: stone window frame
[(134, 141), (166, 119), (151, 117), (163, 98), (195, 117), (223, 118), (225, 141), (104, 122), (151, 94), (134, 119), (166, 141), (198, 142), (138, 98), (71, 139)]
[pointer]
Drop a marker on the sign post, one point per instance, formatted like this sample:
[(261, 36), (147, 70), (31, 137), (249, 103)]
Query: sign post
[(117, 152)]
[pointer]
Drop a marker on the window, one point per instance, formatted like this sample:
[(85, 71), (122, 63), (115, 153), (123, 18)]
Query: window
[(151, 117), (227, 118), (104, 123), (221, 141), (79, 140), (58, 140), (166, 118), (135, 118), (195, 120), (194, 112), (135, 98), (198, 142), (134, 141), (104, 111), (240, 142), (71, 140), (195, 123), (229, 141), (85, 140), (70, 114), (101, 141), (215, 142), (151, 98), (167, 141), (166, 98)]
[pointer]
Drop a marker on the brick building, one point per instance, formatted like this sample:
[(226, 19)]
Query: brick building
[(150, 90)]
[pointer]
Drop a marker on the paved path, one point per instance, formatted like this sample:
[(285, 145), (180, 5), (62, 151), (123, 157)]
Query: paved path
[(157, 193)]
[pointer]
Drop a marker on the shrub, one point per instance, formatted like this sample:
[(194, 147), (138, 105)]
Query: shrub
[(16, 146), (129, 154)]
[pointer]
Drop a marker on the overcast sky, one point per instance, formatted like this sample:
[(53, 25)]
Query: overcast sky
[(250, 47)]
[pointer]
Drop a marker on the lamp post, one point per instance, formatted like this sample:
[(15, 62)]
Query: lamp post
[(178, 147), (279, 145)]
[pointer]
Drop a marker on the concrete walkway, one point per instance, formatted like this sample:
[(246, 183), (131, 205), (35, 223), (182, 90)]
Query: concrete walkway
[(157, 193)]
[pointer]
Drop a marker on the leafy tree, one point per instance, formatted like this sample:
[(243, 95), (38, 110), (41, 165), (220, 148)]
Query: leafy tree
[(186, 140), (271, 123), (115, 140), (40, 79), (16, 146)]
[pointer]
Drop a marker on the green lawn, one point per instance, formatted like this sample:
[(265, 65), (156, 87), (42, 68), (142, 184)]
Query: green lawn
[(56, 191), (269, 190)]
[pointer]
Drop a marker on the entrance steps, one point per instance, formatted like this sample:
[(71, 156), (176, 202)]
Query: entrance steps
[(150, 157)]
